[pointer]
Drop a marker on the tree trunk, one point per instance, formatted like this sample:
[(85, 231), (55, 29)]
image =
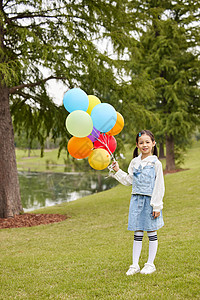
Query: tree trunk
[(170, 158), (161, 150), (10, 201), (29, 152), (29, 148)]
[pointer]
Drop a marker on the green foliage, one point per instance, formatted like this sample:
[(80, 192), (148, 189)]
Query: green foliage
[(155, 71), (39, 123), (60, 38), (167, 55), (22, 142)]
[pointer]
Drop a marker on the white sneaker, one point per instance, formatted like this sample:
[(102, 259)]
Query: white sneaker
[(133, 270), (148, 269)]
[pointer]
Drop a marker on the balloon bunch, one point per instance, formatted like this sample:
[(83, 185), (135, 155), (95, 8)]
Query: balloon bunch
[(93, 125)]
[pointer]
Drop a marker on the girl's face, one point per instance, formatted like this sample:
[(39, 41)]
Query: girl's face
[(145, 145)]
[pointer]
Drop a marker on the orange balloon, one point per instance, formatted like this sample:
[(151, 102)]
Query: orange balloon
[(80, 147), (118, 125)]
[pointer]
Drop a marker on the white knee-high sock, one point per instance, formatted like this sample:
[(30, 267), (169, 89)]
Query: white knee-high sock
[(153, 246), (137, 247)]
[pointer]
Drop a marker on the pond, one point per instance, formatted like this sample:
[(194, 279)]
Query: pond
[(47, 189)]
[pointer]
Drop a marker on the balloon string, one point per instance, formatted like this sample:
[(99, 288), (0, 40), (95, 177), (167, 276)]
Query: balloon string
[(97, 132), (106, 140), (105, 146), (103, 136)]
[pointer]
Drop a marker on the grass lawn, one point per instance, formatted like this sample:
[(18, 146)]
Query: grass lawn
[(36, 163), (87, 256)]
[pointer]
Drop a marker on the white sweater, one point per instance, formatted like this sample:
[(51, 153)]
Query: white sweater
[(159, 187)]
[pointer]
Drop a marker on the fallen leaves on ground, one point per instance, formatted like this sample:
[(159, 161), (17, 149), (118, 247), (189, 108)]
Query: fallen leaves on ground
[(29, 220)]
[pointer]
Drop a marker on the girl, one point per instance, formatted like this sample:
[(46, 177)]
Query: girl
[(145, 212)]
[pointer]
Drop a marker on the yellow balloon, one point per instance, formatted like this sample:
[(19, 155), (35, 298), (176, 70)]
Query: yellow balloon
[(99, 159), (93, 101)]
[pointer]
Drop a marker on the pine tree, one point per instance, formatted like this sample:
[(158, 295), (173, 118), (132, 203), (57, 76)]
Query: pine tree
[(60, 37), (167, 52)]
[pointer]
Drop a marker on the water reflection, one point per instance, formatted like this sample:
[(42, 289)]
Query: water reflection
[(47, 189)]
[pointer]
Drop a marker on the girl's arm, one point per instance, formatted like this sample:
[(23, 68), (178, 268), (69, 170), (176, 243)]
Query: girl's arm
[(121, 176), (159, 189)]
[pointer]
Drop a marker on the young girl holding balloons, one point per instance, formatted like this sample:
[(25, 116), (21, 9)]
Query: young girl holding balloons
[(145, 174)]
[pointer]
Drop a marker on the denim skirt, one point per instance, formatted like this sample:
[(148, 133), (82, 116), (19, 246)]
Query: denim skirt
[(141, 215)]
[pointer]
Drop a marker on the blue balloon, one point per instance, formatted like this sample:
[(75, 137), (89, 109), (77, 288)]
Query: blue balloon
[(104, 117), (75, 99)]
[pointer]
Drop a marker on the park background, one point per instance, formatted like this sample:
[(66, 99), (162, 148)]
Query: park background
[(87, 255), (141, 57)]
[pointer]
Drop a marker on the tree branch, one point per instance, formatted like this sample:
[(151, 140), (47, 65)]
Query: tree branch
[(42, 13), (24, 16), (13, 89)]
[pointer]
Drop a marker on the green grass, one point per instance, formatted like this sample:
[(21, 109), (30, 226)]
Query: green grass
[(87, 256), (36, 163)]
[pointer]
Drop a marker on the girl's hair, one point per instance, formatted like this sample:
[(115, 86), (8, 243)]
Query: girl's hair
[(150, 134)]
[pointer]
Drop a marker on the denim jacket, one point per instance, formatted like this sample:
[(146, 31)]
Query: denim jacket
[(146, 178)]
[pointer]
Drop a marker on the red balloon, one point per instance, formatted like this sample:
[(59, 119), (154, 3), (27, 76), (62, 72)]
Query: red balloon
[(106, 142)]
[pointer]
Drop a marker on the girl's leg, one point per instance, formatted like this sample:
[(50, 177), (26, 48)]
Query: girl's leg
[(153, 246), (137, 247)]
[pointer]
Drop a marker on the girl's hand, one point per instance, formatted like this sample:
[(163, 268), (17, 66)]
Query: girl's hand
[(156, 214), (115, 166)]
